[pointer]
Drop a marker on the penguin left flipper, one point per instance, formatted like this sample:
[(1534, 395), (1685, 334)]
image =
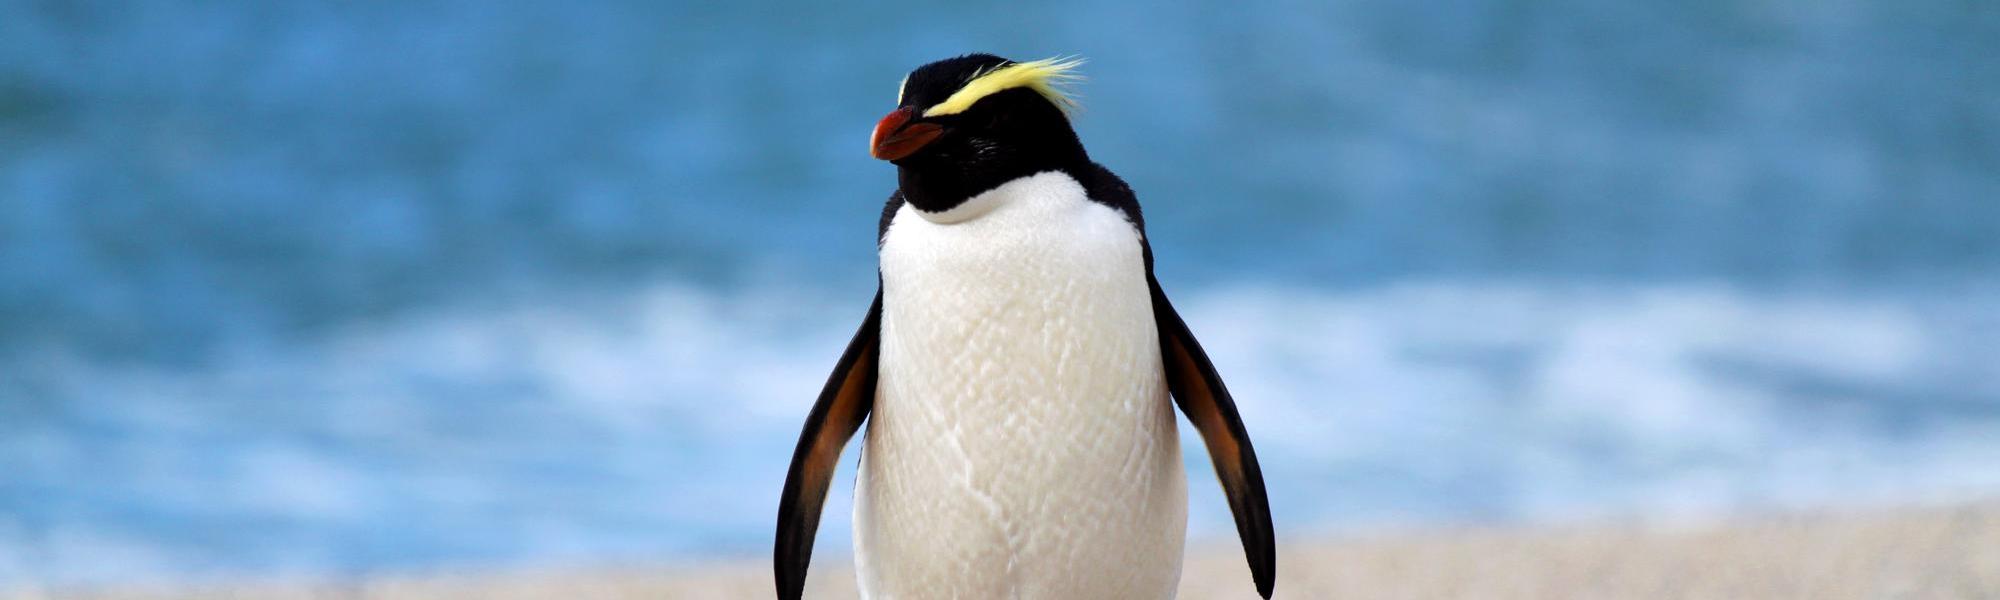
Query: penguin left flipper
[(1198, 389), (843, 404)]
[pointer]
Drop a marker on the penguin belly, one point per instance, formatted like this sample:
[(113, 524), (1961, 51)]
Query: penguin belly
[(1022, 443)]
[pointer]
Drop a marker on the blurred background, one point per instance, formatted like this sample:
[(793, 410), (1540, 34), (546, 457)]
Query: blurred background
[(308, 290)]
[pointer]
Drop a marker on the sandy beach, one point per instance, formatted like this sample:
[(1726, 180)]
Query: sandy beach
[(1950, 552)]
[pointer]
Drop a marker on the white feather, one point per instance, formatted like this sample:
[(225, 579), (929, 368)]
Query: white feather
[(1022, 443)]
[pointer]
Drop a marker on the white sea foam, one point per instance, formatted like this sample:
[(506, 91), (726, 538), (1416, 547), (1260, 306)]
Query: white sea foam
[(658, 424)]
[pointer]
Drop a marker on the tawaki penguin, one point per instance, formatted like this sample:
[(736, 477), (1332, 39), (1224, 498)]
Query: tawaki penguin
[(1014, 369)]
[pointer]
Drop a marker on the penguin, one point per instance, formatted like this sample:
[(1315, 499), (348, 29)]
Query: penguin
[(1016, 370)]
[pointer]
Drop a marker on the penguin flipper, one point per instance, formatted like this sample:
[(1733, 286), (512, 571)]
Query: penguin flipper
[(842, 405), (1198, 389)]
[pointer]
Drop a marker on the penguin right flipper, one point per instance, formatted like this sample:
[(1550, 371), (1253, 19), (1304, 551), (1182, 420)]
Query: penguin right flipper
[(1198, 389), (842, 405)]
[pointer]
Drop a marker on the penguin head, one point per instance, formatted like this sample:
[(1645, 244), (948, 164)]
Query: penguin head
[(968, 124)]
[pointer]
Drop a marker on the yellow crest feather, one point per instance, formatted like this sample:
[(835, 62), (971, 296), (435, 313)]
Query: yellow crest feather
[(1045, 76)]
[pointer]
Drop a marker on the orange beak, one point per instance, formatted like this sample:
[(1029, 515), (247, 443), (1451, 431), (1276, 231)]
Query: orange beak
[(896, 137)]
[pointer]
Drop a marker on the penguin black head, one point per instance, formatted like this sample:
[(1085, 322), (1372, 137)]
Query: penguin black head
[(965, 125)]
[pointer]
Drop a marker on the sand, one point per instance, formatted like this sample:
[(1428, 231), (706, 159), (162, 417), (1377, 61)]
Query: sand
[(1949, 552)]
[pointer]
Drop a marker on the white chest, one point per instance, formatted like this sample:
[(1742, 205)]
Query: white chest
[(1022, 443)]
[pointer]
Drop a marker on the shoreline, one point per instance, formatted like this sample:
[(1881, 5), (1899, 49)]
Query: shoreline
[(1909, 552)]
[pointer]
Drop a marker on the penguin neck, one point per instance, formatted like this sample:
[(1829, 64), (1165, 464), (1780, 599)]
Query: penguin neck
[(949, 179)]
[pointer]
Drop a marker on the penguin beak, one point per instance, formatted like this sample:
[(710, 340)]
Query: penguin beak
[(896, 137)]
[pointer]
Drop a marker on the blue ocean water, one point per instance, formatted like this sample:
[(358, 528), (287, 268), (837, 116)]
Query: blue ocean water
[(326, 290)]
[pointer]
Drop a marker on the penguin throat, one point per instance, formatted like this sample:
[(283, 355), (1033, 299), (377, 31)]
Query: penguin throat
[(975, 206), (941, 189)]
